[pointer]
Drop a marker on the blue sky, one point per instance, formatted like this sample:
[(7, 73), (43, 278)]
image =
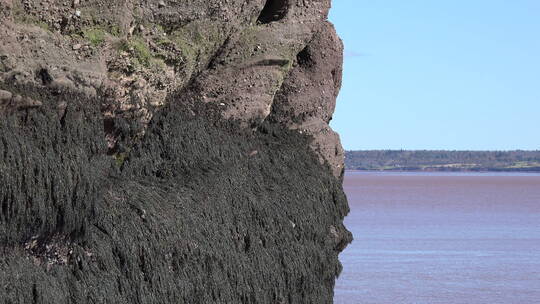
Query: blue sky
[(441, 74)]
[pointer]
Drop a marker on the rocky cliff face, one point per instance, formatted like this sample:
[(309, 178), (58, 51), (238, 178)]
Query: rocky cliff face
[(169, 152)]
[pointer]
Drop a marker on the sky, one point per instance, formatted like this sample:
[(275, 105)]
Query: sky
[(439, 74)]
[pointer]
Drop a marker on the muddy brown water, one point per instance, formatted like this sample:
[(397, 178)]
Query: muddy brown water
[(441, 238)]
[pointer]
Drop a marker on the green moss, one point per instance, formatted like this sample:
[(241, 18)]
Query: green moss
[(159, 28), (141, 51), (120, 159), (115, 30), (143, 57), (183, 49), (96, 36), (188, 48), (198, 39)]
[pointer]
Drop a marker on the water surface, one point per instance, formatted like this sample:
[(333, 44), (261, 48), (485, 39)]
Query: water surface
[(442, 238)]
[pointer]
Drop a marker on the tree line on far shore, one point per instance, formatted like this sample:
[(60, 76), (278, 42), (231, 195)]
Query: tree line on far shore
[(432, 160)]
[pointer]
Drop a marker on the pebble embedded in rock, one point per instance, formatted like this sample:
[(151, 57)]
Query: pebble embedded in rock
[(77, 46), (5, 95), (62, 83), (17, 99), (28, 103), (139, 84)]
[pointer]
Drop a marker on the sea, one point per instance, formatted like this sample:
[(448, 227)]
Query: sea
[(448, 238)]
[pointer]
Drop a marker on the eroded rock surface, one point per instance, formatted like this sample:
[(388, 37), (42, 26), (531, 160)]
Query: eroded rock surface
[(169, 152)]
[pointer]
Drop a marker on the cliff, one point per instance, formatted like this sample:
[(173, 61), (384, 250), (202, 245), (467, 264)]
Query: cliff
[(169, 152)]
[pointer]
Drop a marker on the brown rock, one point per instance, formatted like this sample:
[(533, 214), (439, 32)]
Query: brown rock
[(307, 99), (62, 84), (28, 103), (7, 3), (5, 96)]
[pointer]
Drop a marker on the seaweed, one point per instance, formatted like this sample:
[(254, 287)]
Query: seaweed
[(193, 215)]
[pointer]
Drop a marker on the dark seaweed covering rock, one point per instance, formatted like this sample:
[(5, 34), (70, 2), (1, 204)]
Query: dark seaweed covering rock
[(193, 216), (169, 152)]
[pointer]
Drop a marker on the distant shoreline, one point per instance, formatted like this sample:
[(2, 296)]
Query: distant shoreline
[(435, 171), (443, 161)]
